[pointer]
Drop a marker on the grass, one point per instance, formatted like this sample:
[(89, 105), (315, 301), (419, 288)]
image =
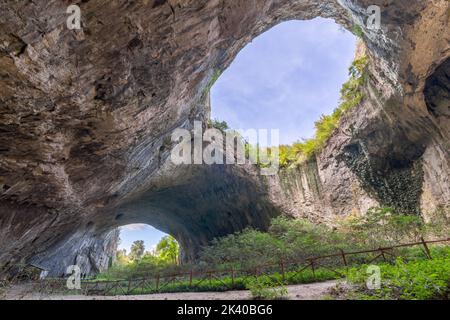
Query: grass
[(406, 279), (227, 283), (267, 289)]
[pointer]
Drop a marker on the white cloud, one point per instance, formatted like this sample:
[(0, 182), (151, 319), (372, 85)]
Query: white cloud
[(134, 227)]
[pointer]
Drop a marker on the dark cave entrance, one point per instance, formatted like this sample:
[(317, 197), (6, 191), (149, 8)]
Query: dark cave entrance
[(437, 91)]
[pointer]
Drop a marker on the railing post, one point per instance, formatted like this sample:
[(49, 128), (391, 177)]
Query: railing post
[(157, 282), (129, 286), (232, 276), (382, 254), (313, 268), (144, 281), (283, 275), (344, 258), (190, 278), (427, 250)]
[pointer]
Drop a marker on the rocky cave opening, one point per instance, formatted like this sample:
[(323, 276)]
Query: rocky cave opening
[(137, 241), (286, 79)]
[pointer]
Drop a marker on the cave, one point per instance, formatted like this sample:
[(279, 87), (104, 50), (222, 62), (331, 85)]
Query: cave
[(85, 142), (437, 91)]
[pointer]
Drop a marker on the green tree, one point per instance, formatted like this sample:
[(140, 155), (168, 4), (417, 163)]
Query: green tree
[(137, 250), (220, 125), (168, 249), (121, 256)]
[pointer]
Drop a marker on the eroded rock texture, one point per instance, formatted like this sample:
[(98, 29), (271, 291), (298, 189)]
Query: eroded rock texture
[(86, 118)]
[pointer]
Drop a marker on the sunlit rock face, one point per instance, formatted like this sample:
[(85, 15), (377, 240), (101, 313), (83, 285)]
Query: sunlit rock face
[(86, 118)]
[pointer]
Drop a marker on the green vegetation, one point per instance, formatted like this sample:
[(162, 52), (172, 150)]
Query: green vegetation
[(220, 125), (137, 250), (298, 152), (212, 81), (280, 256), (273, 282), (168, 250), (139, 263), (385, 227), (286, 239), (384, 223), (358, 31), (297, 239), (351, 96), (266, 289), (406, 280)]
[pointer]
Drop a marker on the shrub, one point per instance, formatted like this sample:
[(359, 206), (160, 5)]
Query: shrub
[(298, 239), (220, 125), (266, 288), (358, 31), (247, 249), (383, 226), (287, 239), (413, 280)]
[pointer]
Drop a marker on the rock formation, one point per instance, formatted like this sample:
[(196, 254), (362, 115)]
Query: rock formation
[(86, 118)]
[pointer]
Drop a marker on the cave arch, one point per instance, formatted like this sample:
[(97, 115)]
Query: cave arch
[(87, 142), (201, 203)]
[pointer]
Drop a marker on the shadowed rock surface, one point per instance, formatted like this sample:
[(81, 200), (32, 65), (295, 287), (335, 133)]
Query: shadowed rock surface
[(86, 118)]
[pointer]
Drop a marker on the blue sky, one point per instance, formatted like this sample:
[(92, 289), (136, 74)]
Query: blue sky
[(285, 79), (133, 232)]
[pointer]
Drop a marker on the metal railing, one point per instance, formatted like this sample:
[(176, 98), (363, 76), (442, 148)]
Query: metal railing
[(228, 279)]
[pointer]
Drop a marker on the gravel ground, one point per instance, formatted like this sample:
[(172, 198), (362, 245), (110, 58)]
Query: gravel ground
[(313, 291)]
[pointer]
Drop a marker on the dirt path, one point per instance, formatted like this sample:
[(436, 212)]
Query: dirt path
[(313, 291)]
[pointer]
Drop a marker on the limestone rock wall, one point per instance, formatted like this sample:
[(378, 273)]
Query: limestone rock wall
[(92, 253)]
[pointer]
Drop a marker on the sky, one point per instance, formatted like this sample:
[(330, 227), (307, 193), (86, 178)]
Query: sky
[(285, 79), (133, 232)]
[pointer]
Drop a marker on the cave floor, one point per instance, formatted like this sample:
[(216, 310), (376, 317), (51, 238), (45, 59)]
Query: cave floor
[(312, 291)]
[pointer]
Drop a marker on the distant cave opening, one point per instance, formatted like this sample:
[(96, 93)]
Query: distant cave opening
[(138, 242), (131, 233)]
